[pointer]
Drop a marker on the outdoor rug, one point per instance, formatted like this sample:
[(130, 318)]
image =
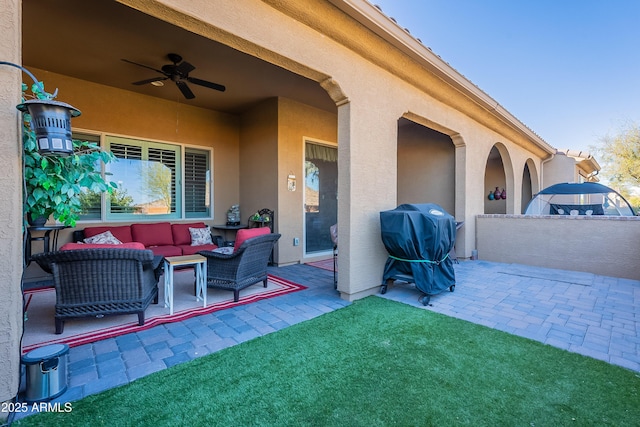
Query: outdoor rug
[(39, 328), (325, 264)]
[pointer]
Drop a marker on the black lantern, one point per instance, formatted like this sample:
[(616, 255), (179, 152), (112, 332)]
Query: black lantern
[(51, 122)]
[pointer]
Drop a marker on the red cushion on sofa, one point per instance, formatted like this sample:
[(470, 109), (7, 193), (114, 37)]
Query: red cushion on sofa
[(181, 234), (128, 245), (247, 233), (166, 250), (155, 234), (190, 250), (122, 232)]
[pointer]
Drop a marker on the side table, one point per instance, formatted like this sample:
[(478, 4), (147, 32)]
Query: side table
[(226, 228), (46, 238), (199, 263)]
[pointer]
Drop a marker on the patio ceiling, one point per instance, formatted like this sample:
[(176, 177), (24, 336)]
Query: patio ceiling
[(88, 39)]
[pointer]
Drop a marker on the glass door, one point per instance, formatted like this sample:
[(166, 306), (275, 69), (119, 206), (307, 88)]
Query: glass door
[(320, 196)]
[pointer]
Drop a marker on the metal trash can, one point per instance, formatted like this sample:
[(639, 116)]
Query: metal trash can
[(46, 372)]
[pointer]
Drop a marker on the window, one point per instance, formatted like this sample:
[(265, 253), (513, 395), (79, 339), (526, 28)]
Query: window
[(90, 201), (197, 183), (153, 181), (146, 176)]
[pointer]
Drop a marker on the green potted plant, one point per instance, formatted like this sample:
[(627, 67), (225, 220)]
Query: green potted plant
[(53, 186)]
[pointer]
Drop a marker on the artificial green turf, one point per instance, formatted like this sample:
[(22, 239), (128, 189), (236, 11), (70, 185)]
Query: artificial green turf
[(373, 363)]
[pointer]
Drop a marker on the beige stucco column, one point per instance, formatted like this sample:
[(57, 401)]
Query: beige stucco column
[(465, 240), (11, 206), (367, 162)]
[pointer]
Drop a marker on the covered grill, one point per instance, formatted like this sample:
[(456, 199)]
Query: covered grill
[(418, 238)]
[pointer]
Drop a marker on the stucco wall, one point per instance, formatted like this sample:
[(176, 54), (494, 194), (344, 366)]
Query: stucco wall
[(11, 206), (607, 246), (297, 122), (259, 159), (560, 169)]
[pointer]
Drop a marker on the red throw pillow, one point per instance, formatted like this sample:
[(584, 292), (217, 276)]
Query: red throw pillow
[(122, 233), (155, 234), (247, 233), (181, 235)]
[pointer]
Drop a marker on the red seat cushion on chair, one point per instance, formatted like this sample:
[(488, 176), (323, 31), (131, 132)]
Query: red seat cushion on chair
[(181, 235), (122, 232), (154, 234), (247, 233)]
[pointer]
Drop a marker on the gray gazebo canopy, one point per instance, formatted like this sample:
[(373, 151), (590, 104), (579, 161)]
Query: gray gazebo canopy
[(587, 198)]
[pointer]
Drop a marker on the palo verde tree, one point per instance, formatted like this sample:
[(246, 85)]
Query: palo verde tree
[(620, 158)]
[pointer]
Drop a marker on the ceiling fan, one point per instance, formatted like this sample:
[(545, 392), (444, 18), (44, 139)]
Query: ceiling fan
[(177, 72)]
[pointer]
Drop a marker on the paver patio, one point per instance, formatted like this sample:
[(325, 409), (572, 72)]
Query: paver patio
[(592, 315)]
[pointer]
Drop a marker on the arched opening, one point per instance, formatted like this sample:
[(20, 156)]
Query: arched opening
[(495, 184), (426, 166), (526, 192)]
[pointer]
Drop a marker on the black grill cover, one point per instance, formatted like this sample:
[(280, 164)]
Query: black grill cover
[(418, 238)]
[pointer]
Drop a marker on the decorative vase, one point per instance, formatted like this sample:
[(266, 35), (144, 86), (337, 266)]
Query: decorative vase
[(504, 194), (497, 194), (491, 196)]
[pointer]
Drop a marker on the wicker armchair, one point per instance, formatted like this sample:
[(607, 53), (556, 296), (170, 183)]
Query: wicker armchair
[(96, 282), (243, 268)]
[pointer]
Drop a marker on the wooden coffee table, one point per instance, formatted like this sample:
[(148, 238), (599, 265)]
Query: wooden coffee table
[(199, 263)]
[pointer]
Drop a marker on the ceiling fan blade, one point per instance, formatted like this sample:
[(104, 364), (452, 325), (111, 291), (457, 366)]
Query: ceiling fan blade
[(185, 89), (205, 83), (185, 68), (144, 82), (144, 66)]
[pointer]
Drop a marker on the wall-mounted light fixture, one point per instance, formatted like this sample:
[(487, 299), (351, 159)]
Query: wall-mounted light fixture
[(50, 120), (291, 182)]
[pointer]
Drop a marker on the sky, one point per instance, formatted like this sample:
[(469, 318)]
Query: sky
[(567, 69)]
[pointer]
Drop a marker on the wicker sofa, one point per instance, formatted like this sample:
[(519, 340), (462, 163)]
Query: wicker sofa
[(96, 282), (163, 238)]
